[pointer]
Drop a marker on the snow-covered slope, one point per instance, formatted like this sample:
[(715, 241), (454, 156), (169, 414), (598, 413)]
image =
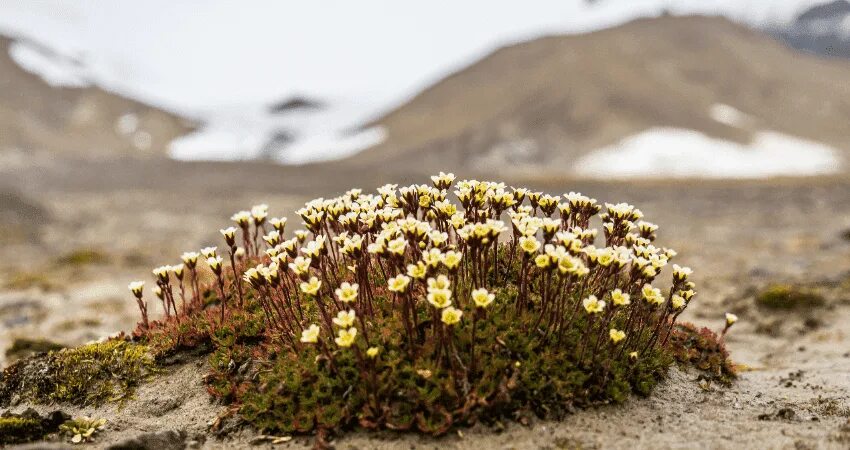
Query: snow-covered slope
[(55, 69), (329, 132), (677, 153)]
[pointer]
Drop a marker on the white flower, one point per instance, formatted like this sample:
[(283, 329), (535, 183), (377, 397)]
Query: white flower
[(347, 292), (300, 265), (619, 298), (215, 263), (190, 259), (311, 287), (242, 218), (529, 244), (161, 273), (441, 282), (136, 287), (310, 335), (482, 298), (451, 315), (228, 232), (397, 246), (681, 273), (344, 318), (593, 305), (398, 283), (439, 298), (616, 335), (346, 337)]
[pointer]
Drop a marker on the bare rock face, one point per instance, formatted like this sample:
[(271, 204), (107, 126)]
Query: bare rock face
[(822, 29)]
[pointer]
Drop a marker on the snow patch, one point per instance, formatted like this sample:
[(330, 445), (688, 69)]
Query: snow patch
[(250, 132), (53, 68), (319, 147), (670, 152), (127, 124), (216, 144), (728, 115)]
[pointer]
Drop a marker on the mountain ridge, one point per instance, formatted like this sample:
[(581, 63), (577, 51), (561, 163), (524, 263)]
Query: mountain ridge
[(540, 104)]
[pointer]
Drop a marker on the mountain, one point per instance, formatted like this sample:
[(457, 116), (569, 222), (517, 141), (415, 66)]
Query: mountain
[(836, 10), (542, 106), (47, 104), (822, 29)]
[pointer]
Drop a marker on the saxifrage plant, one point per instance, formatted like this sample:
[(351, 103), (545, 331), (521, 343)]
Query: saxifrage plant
[(406, 309)]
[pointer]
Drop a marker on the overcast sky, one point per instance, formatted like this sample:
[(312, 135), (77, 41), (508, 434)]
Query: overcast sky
[(188, 55)]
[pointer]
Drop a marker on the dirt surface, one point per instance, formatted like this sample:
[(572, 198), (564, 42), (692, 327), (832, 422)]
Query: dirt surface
[(794, 390)]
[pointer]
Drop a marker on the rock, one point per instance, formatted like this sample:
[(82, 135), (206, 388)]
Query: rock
[(780, 414), (164, 440), (295, 103)]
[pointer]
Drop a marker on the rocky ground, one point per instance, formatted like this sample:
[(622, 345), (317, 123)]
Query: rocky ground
[(75, 234)]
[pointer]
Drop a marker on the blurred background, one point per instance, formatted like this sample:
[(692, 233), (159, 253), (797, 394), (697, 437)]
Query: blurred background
[(130, 131)]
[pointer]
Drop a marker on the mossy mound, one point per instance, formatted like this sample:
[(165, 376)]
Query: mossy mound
[(788, 297), (87, 375), (28, 280), (29, 426), (83, 257)]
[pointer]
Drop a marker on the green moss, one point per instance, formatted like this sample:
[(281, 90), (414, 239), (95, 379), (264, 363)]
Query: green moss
[(28, 426), (83, 257), (787, 296), (23, 347), (16, 430), (87, 375)]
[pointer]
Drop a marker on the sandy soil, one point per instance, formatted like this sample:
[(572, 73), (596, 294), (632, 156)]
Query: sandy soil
[(794, 391)]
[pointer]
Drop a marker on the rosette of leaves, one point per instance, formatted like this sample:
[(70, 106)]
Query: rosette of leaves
[(82, 429)]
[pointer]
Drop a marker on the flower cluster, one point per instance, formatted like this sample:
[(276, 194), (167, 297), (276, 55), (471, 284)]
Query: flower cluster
[(442, 273)]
